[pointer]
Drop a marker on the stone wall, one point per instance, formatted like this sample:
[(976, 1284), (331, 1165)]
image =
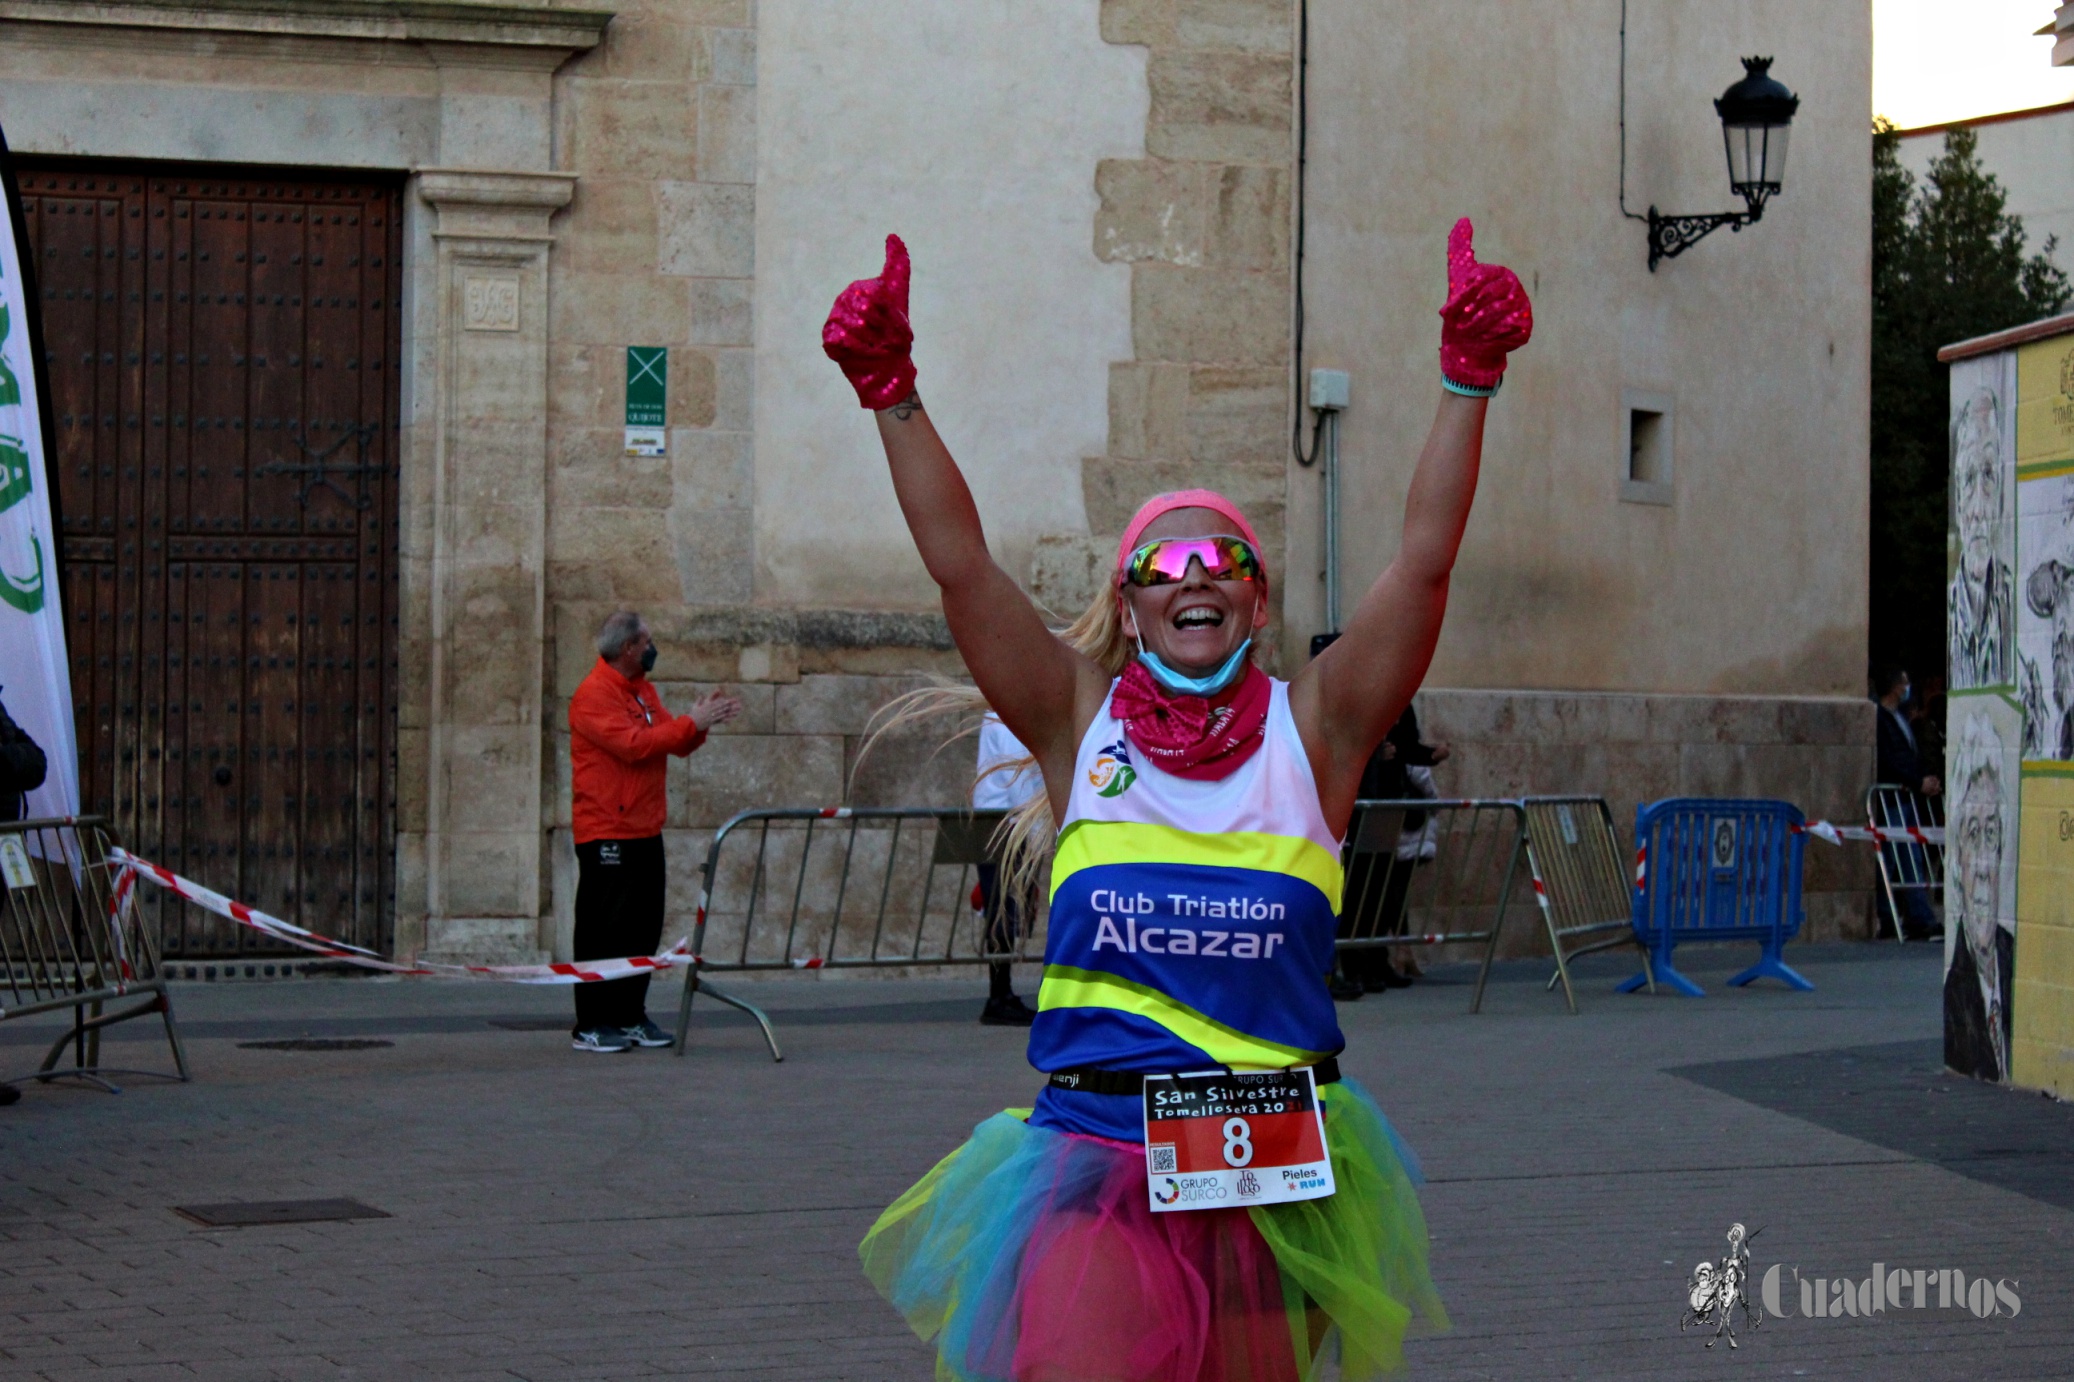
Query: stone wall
[(1814, 752), (1108, 221), (972, 128), (1743, 571), (657, 248), (1204, 222), (810, 682)]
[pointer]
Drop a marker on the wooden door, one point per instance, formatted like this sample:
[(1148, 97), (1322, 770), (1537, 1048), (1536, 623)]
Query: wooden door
[(222, 356)]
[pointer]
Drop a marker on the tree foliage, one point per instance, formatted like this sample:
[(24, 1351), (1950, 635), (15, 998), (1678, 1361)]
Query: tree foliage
[(1948, 263)]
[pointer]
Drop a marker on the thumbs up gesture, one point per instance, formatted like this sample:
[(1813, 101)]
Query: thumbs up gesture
[(868, 336), (1485, 318)]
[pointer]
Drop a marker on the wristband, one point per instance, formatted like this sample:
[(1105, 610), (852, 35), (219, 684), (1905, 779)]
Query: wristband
[(1468, 390)]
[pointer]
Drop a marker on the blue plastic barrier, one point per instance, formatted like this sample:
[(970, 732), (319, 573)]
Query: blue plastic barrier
[(1715, 870)]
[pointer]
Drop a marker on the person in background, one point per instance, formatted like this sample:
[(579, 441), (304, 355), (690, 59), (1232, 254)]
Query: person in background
[(1398, 770), (620, 742), (1899, 763), (22, 769), (1900, 758), (1008, 779), (1926, 721)]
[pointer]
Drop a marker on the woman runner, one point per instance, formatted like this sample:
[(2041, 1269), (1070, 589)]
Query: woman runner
[(1195, 879)]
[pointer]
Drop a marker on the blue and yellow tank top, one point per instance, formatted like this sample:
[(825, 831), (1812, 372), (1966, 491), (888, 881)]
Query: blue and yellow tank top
[(1191, 923)]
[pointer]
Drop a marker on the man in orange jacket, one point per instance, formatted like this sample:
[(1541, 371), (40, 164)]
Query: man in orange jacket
[(620, 739)]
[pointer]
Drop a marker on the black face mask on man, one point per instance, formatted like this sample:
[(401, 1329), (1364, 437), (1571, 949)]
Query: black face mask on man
[(648, 658)]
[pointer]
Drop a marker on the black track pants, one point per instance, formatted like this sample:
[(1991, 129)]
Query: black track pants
[(619, 912)]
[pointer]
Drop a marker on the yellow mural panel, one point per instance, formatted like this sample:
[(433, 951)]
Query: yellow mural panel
[(2042, 1049), (2045, 405)]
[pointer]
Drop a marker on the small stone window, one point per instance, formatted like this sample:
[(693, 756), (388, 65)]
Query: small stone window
[(1646, 433)]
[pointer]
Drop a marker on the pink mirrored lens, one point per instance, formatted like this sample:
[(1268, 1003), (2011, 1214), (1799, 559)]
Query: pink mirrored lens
[(1223, 559), (1170, 559)]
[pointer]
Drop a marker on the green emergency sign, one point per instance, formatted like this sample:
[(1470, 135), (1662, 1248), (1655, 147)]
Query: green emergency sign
[(648, 378)]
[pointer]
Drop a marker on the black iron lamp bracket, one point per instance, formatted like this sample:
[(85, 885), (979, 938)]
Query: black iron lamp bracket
[(1671, 236)]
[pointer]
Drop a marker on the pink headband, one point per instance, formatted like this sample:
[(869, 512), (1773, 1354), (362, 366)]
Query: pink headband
[(1160, 504)]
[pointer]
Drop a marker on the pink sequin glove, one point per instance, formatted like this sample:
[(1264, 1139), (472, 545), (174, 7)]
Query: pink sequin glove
[(1486, 317), (868, 335)]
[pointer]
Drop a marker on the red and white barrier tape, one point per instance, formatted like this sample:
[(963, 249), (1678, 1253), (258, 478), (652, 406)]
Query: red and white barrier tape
[(118, 907), (1875, 834), (131, 868)]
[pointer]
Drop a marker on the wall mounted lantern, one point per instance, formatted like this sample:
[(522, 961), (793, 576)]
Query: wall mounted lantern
[(1756, 118)]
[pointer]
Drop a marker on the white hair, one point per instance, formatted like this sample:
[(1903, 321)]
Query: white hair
[(620, 628), (1979, 761)]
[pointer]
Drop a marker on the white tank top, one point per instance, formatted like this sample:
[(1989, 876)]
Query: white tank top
[(1191, 921), (1272, 793)]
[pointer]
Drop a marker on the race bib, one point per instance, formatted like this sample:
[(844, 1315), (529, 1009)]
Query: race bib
[(1219, 1140)]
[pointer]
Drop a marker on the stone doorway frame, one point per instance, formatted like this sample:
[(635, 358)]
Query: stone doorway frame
[(458, 99)]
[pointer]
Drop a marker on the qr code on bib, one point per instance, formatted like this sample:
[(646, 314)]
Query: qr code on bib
[(1161, 1156)]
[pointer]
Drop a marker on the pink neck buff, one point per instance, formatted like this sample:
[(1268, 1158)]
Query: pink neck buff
[(1189, 736), (1198, 737)]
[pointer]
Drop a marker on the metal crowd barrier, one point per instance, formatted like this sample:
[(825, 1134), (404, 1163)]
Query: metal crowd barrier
[(1581, 881), (849, 888), (1716, 870), (1431, 872), (893, 887), (1906, 866), (66, 944)]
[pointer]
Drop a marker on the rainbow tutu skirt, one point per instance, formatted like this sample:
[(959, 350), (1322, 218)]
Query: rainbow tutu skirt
[(1031, 1255)]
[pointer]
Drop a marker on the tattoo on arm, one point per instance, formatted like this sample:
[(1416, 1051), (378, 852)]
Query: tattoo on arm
[(909, 406)]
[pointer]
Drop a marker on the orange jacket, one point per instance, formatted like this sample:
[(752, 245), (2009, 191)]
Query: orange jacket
[(620, 737)]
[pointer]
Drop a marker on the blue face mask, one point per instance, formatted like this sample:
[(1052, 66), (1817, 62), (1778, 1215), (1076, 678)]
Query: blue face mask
[(1182, 685)]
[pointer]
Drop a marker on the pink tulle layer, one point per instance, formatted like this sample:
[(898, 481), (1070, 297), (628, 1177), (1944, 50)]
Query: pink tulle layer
[(1032, 1255), (1110, 1289)]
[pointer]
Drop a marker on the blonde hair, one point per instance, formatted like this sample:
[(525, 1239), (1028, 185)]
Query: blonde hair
[(1023, 840)]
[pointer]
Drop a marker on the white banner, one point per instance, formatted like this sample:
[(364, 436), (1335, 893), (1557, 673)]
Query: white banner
[(35, 682)]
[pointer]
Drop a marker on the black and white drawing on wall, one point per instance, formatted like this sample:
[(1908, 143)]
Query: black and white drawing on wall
[(1980, 884), (2045, 616), (1980, 602)]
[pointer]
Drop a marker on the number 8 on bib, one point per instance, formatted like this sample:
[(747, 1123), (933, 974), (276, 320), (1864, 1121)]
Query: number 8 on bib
[(1219, 1140)]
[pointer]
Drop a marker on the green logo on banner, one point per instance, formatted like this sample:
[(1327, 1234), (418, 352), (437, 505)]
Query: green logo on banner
[(648, 376), (25, 593)]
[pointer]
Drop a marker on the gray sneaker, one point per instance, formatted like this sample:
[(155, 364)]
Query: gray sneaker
[(607, 1039), (648, 1034)]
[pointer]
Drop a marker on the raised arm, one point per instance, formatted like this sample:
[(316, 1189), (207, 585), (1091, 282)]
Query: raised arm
[(1348, 697), (1032, 680)]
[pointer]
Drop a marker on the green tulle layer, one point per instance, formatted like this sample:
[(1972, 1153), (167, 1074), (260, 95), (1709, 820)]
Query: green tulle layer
[(1358, 1258), (971, 1256)]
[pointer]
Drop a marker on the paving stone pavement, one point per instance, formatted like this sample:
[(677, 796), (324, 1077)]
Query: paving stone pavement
[(566, 1216)]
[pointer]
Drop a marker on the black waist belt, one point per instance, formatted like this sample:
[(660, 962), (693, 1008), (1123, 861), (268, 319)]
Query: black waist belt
[(1089, 1081)]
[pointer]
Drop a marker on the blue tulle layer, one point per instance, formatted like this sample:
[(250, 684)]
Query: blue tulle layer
[(1030, 1254)]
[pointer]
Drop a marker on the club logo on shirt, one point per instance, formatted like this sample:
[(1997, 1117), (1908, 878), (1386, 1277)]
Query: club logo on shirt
[(1112, 773)]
